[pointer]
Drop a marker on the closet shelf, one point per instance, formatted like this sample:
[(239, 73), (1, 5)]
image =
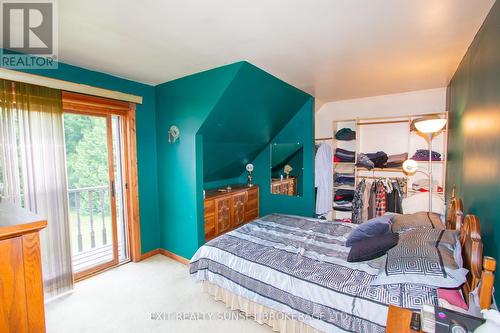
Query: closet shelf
[(342, 209), (415, 192), (381, 169), (344, 187), (344, 163), (433, 162)]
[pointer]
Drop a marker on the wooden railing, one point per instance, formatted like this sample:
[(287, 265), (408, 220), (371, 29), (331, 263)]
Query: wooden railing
[(91, 203)]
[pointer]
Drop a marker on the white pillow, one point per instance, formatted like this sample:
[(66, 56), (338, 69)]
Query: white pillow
[(420, 203)]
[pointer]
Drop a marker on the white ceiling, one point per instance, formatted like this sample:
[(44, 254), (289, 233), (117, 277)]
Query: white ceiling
[(333, 49)]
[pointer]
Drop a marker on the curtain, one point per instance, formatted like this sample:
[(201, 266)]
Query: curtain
[(34, 172)]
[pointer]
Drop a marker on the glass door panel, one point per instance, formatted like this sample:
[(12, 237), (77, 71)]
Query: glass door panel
[(93, 160)]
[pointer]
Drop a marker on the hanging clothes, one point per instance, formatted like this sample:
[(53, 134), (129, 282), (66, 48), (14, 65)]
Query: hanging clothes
[(372, 202), (394, 199), (357, 203), (323, 179), (366, 202), (380, 201)]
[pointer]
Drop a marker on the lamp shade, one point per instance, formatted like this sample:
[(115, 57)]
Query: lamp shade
[(430, 125), (410, 166)]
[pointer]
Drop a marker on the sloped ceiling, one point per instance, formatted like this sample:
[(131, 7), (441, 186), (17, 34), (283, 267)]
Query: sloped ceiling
[(333, 49), (252, 110)]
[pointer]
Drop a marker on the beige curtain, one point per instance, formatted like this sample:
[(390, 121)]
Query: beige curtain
[(34, 172)]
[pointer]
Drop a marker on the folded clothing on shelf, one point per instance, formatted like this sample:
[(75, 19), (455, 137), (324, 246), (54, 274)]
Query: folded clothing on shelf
[(379, 158), (343, 203), (345, 134), (343, 155), (423, 155), (395, 161), (343, 195), (343, 179), (364, 162), (342, 206), (344, 168), (344, 220), (422, 185)]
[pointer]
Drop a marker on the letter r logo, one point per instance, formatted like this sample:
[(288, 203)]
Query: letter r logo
[(28, 27)]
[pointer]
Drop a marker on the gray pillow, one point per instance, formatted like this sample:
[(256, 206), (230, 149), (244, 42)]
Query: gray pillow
[(372, 247), (375, 227), (424, 256), (406, 222)]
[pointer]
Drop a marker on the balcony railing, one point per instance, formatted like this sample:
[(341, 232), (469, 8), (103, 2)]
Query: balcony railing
[(91, 237)]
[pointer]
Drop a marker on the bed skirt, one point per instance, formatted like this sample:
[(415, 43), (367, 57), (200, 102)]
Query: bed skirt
[(277, 320)]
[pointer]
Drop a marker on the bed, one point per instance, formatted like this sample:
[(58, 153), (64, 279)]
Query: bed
[(291, 273)]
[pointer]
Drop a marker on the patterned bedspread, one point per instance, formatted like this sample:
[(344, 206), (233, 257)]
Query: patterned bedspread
[(298, 266)]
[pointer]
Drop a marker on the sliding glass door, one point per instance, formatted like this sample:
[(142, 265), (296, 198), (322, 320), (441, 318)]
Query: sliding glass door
[(95, 170)]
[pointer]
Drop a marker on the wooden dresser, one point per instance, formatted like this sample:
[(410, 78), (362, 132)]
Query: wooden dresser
[(225, 211), (287, 186), (21, 290)]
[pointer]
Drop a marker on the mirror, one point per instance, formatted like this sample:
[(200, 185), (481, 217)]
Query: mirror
[(286, 168)]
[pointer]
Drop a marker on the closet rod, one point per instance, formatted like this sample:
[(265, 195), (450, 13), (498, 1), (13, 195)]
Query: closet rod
[(383, 122), (321, 139)]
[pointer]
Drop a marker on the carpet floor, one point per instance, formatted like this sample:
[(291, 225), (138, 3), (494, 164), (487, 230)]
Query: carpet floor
[(126, 298)]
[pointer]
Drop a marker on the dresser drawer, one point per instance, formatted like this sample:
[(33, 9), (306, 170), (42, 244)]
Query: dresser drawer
[(251, 215), (209, 207), (252, 204), (209, 227), (253, 193)]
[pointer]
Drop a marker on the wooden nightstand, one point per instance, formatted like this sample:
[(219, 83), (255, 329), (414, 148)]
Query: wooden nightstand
[(398, 320)]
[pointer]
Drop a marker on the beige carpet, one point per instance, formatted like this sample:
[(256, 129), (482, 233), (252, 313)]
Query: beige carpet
[(123, 299)]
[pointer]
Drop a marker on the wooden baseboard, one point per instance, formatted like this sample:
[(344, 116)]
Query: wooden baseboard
[(166, 253), (174, 256), (150, 254)]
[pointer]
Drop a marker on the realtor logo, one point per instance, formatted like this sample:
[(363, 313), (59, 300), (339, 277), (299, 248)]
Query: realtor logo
[(29, 38)]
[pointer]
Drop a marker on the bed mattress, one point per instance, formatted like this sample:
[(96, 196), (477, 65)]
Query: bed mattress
[(298, 266)]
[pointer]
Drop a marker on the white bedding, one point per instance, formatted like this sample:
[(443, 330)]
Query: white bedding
[(298, 266)]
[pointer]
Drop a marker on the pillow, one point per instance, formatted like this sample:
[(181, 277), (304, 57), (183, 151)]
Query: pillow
[(406, 222), (419, 202), (423, 256), (372, 247), (375, 227), (453, 297)]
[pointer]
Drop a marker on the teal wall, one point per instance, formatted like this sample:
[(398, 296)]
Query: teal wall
[(254, 107), (146, 140), (227, 117), (299, 129), (224, 182), (474, 136), (185, 102)]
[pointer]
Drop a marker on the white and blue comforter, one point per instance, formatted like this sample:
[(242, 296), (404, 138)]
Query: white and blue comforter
[(298, 266)]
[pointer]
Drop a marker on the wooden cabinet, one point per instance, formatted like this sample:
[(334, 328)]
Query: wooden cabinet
[(222, 214), (21, 290), (225, 211), (286, 186)]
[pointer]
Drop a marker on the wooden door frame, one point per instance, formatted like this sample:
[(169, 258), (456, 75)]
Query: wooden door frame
[(98, 106)]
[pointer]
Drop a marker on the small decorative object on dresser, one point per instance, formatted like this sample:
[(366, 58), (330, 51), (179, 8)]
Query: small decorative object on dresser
[(225, 211), (287, 169), (21, 290), (249, 168)]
